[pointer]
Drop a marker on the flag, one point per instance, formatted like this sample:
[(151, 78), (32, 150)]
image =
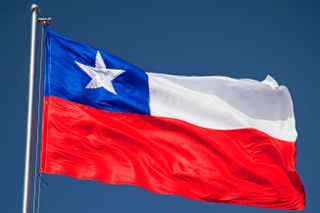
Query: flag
[(208, 138)]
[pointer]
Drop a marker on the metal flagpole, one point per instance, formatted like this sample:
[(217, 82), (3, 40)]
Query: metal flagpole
[(28, 156)]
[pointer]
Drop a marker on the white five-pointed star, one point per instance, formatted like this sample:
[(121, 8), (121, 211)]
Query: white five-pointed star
[(101, 76)]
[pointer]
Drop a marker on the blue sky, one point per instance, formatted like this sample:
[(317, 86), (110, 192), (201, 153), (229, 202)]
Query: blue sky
[(237, 38)]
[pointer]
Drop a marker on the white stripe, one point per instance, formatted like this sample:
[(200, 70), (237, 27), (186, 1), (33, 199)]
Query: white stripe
[(224, 103)]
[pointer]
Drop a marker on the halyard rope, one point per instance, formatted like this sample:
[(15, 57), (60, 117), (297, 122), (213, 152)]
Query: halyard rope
[(38, 176)]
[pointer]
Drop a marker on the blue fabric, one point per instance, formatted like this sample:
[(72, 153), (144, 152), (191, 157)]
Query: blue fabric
[(66, 80)]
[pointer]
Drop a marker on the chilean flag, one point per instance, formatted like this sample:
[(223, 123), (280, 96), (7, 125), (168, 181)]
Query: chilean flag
[(208, 138)]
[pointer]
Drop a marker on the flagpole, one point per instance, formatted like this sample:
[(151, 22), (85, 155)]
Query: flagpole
[(29, 136)]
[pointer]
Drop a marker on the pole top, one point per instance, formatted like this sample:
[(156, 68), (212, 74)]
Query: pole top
[(35, 8)]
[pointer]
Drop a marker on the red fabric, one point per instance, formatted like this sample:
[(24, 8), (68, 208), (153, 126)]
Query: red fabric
[(169, 156)]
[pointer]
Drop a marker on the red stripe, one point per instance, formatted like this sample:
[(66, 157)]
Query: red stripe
[(169, 156)]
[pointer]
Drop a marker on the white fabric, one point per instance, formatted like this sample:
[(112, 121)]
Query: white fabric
[(224, 103)]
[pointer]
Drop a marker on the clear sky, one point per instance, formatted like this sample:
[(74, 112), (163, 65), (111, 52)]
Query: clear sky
[(237, 38)]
